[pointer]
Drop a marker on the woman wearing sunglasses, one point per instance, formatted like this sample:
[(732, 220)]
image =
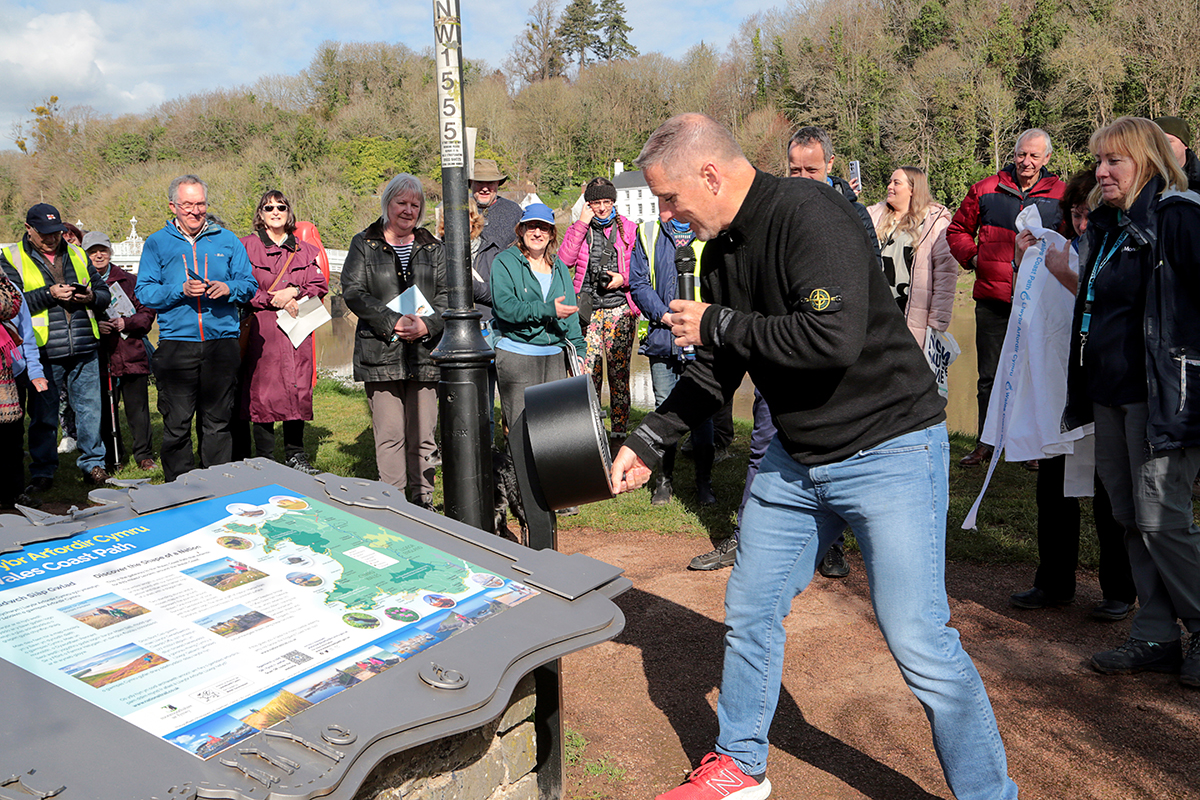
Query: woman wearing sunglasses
[(536, 313), (277, 377)]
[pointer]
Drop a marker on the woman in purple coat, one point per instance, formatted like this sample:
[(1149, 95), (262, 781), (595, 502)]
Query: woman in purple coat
[(277, 378)]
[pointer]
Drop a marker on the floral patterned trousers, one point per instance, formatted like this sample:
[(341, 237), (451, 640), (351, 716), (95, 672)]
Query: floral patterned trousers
[(611, 331)]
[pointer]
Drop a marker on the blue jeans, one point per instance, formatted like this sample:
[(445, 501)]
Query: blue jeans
[(82, 378), (761, 437), (894, 497)]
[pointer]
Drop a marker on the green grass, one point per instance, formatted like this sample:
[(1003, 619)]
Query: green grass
[(341, 441), (600, 767)]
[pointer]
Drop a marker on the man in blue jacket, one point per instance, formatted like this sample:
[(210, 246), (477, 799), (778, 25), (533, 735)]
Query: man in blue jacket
[(194, 273), (653, 280)]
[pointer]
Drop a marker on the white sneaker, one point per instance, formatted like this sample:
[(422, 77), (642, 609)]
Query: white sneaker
[(67, 445)]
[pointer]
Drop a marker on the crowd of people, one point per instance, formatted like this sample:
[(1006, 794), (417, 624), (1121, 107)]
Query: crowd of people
[(828, 305), (81, 331), (799, 292)]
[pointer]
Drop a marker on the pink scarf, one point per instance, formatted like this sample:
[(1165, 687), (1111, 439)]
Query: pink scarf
[(8, 347)]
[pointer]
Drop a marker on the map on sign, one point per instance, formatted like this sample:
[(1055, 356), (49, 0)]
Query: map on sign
[(206, 624), (374, 562)]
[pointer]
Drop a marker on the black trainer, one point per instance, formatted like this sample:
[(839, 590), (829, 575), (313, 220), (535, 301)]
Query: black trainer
[(723, 555), (1036, 598), (661, 495), (39, 485), (1137, 655), (1189, 672), (1112, 610), (301, 463), (834, 565)]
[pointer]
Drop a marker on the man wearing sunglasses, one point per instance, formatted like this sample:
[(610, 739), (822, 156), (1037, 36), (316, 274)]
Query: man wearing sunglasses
[(193, 273)]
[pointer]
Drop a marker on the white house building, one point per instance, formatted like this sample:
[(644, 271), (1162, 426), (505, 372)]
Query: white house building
[(634, 199)]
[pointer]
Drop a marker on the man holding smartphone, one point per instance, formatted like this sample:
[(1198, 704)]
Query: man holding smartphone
[(63, 293), (193, 273)]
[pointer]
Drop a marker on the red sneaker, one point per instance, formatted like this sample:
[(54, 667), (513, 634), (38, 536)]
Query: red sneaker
[(719, 778)]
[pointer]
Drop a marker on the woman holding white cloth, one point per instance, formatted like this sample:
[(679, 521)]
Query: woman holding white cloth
[(1058, 515)]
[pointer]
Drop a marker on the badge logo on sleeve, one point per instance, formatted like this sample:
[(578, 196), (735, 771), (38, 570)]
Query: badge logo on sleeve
[(823, 300)]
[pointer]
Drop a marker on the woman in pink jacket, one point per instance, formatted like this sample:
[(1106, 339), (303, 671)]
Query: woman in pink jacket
[(916, 257), (599, 248)]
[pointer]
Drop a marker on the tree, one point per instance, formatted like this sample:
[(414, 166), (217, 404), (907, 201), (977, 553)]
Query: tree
[(537, 51), (577, 30), (612, 43)]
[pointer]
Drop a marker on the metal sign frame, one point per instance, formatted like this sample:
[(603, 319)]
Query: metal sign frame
[(55, 744)]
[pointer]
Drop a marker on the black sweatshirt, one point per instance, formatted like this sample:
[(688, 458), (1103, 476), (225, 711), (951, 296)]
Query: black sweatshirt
[(798, 301)]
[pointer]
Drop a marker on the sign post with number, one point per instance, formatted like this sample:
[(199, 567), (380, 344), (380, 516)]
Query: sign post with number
[(462, 353)]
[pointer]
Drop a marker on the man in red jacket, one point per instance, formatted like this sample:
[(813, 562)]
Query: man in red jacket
[(981, 237)]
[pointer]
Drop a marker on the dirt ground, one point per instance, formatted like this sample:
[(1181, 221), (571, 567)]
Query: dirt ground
[(847, 727)]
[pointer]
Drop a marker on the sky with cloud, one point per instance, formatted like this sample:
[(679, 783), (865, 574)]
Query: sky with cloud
[(127, 57)]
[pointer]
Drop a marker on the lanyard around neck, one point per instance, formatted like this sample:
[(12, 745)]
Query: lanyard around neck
[(1101, 263)]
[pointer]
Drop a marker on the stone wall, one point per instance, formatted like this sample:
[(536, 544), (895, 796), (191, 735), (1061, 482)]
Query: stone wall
[(494, 762)]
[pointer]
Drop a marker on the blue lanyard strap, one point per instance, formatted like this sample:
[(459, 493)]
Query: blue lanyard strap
[(1101, 263)]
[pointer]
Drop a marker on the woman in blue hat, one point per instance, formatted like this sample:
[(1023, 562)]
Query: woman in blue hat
[(536, 312)]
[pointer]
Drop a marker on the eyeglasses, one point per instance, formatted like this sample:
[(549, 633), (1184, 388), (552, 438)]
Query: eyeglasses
[(189, 208), (275, 208)]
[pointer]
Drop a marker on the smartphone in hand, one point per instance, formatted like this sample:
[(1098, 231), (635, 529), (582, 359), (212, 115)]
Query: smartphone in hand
[(856, 176)]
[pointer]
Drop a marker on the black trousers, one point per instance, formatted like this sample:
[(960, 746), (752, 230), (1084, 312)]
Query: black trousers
[(723, 426), (196, 379), (293, 438), (134, 392), (1058, 539), (991, 323), (12, 460)]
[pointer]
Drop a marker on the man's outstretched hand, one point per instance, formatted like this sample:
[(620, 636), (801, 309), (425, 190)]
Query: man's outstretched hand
[(628, 472)]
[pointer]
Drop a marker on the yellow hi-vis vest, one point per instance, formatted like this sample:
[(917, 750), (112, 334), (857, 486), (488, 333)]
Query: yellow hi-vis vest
[(32, 278), (649, 232)]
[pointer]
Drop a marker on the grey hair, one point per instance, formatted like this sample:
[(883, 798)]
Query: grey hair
[(403, 184), (1035, 132), (809, 134), (688, 135), (173, 189)]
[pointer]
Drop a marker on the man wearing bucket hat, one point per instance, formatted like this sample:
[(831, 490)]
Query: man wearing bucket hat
[(1179, 136), (64, 294), (502, 214)]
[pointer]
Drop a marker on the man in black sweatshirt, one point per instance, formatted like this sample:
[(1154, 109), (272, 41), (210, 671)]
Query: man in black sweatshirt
[(792, 293)]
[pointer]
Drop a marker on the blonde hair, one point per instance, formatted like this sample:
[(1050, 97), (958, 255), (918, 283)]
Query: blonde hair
[(911, 221), (477, 220), (1145, 144)]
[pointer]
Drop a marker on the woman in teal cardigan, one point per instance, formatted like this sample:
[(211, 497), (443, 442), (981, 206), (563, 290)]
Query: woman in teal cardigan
[(536, 316)]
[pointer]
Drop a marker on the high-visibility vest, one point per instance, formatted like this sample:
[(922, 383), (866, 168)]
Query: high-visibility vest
[(649, 232), (32, 278)]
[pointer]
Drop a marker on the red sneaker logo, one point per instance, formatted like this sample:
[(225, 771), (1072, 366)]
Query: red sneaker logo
[(725, 782)]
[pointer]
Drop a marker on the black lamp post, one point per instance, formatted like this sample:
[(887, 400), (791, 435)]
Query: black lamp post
[(462, 353)]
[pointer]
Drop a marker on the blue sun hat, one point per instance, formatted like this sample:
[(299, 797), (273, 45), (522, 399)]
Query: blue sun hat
[(538, 212)]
